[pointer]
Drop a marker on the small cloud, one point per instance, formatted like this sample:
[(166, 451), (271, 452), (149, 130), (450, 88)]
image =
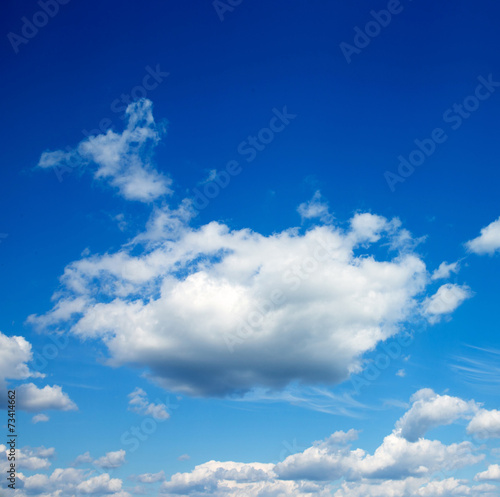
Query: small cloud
[(491, 474), (448, 298), (212, 174), (82, 459), (184, 457), (151, 477), (34, 459), (315, 208), (120, 221), (444, 270), (401, 373), (488, 242), (140, 404), (485, 424), (32, 398), (112, 460), (40, 418), (123, 160)]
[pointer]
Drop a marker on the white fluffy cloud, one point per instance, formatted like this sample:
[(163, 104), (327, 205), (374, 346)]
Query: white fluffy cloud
[(330, 467), (212, 311), (397, 468), (415, 487), (27, 459), (485, 424), (151, 477), (316, 208), (112, 460), (122, 159), (40, 418), (85, 458), (226, 478), (404, 468), (444, 270), (447, 298), (32, 398), (59, 481), (396, 458), (35, 459), (15, 352), (69, 482), (140, 404), (203, 485), (101, 484), (491, 474), (430, 410), (488, 242)]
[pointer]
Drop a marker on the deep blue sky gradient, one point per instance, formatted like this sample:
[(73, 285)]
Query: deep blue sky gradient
[(353, 121)]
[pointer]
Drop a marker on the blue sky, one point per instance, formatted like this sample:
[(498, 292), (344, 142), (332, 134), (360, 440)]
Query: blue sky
[(250, 248)]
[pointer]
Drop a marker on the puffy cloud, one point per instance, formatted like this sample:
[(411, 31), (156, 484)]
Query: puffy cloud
[(317, 207), (61, 480), (445, 300), (31, 459), (139, 403), (32, 398), (491, 474), (388, 488), (444, 270), (397, 468), (368, 227), (430, 410), (15, 352), (69, 482), (112, 459), (151, 477), (396, 458), (40, 418), (35, 459), (223, 478), (488, 242), (122, 159), (453, 487), (485, 424), (101, 484), (211, 311), (409, 487), (83, 459)]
